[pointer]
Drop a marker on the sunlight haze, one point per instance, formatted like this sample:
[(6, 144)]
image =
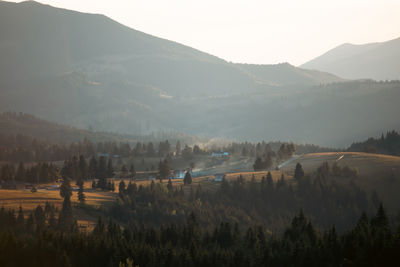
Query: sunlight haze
[(262, 32)]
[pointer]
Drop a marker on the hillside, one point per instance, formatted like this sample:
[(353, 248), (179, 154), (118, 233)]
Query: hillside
[(376, 172), (379, 61), (389, 144), (77, 65), (89, 71), (365, 163), (287, 75), (28, 125)]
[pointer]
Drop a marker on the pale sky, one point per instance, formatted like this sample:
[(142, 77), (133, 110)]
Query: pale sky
[(254, 31)]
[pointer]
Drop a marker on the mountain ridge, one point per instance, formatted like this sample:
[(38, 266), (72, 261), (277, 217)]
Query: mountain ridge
[(378, 60), (89, 71)]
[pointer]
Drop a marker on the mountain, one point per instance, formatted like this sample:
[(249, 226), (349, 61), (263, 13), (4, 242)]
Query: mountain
[(379, 61), (89, 71), (13, 124), (288, 75), (28, 125)]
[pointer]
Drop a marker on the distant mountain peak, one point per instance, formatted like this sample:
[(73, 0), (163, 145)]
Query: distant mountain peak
[(378, 60)]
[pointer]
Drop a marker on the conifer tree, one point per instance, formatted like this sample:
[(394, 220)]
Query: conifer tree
[(298, 172), (270, 182), (102, 173), (93, 168), (20, 218), (164, 169), (187, 179), (100, 227), (169, 185), (110, 168), (132, 171), (81, 194), (20, 175), (83, 168), (65, 188), (121, 188), (40, 218), (65, 219)]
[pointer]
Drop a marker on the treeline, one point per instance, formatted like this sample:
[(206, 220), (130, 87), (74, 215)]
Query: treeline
[(386, 144), (22, 148), (246, 202), (263, 148), (36, 241), (74, 168), (38, 173)]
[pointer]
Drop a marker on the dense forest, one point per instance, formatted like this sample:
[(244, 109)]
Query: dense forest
[(38, 241), (246, 202), (386, 144), (25, 148)]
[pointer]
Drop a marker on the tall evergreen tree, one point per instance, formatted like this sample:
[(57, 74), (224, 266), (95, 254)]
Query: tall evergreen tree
[(20, 175), (102, 173), (81, 194), (93, 168), (65, 188), (178, 148), (298, 172), (169, 185), (20, 217), (132, 171), (164, 169), (187, 179), (110, 168), (65, 218), (83, 168)]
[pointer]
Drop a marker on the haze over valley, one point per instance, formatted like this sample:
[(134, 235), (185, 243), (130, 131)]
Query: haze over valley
[(120, 148), (107, 77)]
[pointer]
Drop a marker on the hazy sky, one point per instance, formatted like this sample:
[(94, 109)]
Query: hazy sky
[(254, 31)]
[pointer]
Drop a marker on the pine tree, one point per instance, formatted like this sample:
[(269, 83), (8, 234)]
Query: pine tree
[(93, 168), (20, 218), (132, 171), (52, 220), (169, 185), (20, 175), (83, 168), (65, 219), (164, 169), (298, 172), (187, 179), (30, 223), (258, 164), (65, 188), (110, 168), (178, 148), (81, 194), (121, 187), (270, 182), (100, 227), (102, 173)]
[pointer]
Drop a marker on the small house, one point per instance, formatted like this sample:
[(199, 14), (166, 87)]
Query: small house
[(218, 177), (220, 154), (179, 174)]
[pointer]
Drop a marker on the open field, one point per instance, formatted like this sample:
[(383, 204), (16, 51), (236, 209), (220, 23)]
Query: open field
[(365, 163), (376, 172), (13, 199)]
